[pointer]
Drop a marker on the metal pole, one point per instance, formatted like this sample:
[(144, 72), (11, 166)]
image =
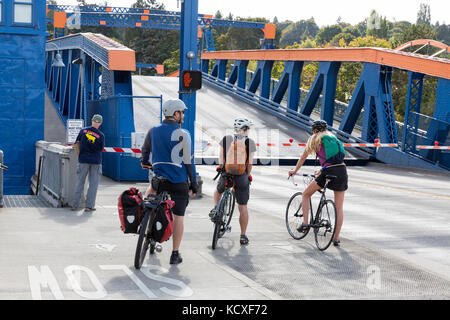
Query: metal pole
[(188, 42)]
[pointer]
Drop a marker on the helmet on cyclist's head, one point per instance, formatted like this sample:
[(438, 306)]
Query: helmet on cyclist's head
[(172, 106), (319, 125), (241, 123)]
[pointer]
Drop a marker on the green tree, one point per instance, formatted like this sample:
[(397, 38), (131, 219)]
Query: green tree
[(377, 26), (297, 31), (342, 39), (424, 15), (173, 63), (151, 46), (443, 33), (327, 33)]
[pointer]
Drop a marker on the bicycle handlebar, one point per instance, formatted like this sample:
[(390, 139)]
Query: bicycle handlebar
[(300, 175)]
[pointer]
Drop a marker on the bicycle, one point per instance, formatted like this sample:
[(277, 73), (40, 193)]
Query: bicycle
[(225, 209), (324, 221), (145, 240)]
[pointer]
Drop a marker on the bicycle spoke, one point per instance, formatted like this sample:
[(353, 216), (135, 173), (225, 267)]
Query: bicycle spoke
[(326, 225), (294, 216)]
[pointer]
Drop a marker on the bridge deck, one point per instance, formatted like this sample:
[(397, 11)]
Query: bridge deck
[(395, 244)]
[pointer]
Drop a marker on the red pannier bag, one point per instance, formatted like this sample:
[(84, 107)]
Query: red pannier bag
[(163, 224), (130, 210)]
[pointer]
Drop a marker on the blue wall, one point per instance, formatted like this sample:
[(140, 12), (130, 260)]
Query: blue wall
[(22, 67)]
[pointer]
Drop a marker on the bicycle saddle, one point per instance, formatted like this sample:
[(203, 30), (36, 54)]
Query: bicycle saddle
[(331, 177), (152, 201)]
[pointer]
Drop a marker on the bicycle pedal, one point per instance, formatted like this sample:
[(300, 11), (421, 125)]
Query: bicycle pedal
[(228, 229)]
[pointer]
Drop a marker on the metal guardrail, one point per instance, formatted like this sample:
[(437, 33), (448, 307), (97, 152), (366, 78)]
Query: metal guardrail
[(283, 112)]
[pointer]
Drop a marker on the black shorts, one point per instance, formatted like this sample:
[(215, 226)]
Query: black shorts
[(338, 184), (179, 192), (241, 188)]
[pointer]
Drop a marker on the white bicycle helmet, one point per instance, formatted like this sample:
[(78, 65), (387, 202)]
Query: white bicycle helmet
[(172, 106), (240, 123)]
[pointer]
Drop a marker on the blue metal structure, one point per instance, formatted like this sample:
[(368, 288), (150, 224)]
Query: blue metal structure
[(96, 79), (22, 89), (372, 97), (120, 17), (188, 45)]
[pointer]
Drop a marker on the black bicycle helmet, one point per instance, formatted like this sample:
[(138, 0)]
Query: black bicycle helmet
[(319, 125)]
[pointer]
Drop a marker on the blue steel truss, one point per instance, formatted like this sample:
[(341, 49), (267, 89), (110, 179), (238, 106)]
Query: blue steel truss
[(372, 97), (120, 17)]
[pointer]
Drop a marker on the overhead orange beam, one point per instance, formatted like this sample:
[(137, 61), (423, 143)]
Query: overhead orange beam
[(422, 42), (408, 61)]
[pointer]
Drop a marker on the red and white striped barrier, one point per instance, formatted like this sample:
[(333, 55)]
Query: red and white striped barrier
[(122, 150), (347, 145), (433, 147)]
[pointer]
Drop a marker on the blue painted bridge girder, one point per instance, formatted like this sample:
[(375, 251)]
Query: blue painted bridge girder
[(372, 97)]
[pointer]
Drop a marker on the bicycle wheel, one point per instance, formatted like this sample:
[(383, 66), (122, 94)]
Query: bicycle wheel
[(325, 225), (294, 216), (227, 209), (217, 226), (231, 206), (143, 242)]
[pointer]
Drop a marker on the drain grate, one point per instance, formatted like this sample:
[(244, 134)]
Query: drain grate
[(24, 201)]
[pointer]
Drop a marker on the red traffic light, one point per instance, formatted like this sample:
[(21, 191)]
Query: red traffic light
[(191, 79)]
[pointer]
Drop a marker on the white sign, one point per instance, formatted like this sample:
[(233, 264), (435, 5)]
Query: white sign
[(137, 140), (73, 128)]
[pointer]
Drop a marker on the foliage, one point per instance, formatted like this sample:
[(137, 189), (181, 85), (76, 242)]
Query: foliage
[(327, 33), (298, 31)]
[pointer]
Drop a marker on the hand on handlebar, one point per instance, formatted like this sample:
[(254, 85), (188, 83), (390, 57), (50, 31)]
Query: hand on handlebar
[(146, 165), (291, 173)]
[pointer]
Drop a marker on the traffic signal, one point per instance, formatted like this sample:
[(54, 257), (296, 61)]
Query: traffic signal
[(191, 79)]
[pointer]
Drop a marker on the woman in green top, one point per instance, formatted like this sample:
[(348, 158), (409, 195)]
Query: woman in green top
[(330, 153)]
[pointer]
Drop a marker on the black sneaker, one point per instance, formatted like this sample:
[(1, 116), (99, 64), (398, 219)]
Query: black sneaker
[(175, 258)]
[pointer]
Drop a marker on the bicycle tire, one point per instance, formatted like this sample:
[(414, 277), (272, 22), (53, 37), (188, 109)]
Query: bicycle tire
[(217, 226), (226, 208), (294, 217), (233, 204), (325, 222), (143, 242)]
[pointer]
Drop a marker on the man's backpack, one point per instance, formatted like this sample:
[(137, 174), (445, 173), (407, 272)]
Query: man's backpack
[(162, 227), (334, 150), (236, 157), (130, 210)]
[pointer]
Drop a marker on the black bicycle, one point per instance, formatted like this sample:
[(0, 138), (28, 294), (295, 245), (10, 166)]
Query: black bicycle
[(324, 221), (225, 209), (145, 240)]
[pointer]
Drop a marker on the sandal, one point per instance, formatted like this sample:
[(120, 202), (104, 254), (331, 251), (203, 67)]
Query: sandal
[(336, 243), (244, 240), (303, 228)]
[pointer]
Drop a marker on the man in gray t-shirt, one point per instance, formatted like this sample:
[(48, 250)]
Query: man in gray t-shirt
[(241, 182)]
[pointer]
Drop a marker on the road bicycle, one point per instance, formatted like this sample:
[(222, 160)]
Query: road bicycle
[(145, 241), (225, 209), (323, 222)]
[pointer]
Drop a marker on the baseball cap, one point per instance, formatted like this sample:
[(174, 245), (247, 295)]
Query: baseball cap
[(97, 118)]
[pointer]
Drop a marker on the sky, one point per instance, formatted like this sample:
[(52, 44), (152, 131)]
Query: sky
[(325, 12)]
